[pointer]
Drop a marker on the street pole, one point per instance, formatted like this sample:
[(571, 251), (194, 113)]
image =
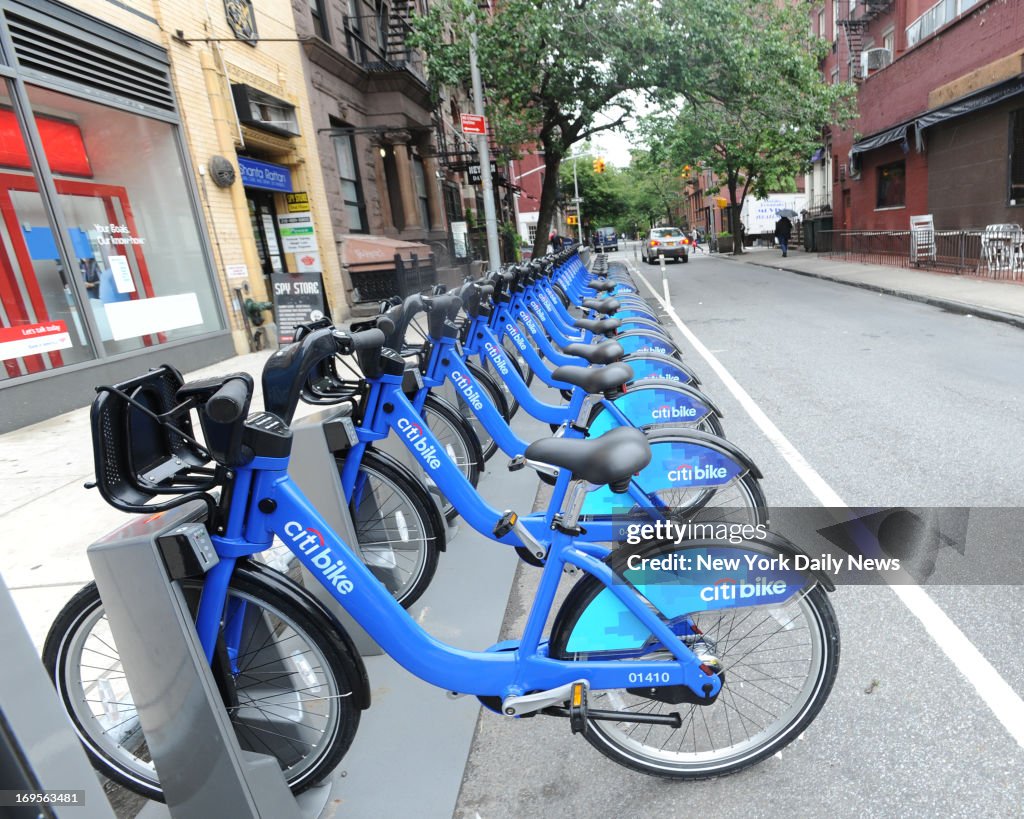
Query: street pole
[(577, 200), (490, 218)]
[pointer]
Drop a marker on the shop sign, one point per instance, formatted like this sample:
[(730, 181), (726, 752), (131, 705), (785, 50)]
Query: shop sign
[(298, 299), (32, 339), (474, 172), (297, 232), (236, 271), (264, 175), (297, 202), (460, 231)]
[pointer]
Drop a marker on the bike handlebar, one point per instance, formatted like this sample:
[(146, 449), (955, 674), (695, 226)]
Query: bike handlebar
[(230, 402)]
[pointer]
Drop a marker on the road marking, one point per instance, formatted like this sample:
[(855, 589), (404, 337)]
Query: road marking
[(997, 694)]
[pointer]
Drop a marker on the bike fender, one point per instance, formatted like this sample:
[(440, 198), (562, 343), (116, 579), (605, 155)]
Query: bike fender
[(302, 598), (686, 388), (674, 362), (722, 445)]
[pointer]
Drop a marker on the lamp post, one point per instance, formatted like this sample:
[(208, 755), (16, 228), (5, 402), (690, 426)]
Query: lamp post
[(490, 218)]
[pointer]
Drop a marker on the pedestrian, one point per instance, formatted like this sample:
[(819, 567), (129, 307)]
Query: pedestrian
[(695, 240), (783, 230)]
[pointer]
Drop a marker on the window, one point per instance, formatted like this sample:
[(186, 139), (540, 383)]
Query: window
[(354, 32), (835, 21), (382, 26), (892, 188), (135, 275), (1017, 157), (835, 76), (316, 10), (889, 41), (531, 232), (821, 23), (351, 189)]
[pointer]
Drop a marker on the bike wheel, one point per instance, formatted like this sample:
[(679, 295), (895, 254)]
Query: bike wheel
[(396, 536), (457, 437), (778, 666), (290, 686)]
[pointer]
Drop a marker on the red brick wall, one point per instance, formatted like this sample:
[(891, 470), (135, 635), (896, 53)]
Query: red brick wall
[(864, 192)]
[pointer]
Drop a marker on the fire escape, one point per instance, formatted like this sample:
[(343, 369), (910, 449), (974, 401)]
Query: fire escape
[(859, 15)]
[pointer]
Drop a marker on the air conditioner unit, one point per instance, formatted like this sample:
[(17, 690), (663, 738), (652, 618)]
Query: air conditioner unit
[(873, 59)]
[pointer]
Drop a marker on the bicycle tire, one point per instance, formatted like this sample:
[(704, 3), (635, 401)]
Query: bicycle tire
[(399, 540), (653, 753), (456, 435), (107, 751)]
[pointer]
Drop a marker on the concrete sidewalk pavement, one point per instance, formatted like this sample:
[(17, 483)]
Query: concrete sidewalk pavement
[(985, 298)]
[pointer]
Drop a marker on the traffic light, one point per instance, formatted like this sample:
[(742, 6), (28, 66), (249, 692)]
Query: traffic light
[(598, 165)]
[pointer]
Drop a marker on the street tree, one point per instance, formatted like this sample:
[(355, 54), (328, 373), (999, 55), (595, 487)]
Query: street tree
[(551, 70), (755, 114)]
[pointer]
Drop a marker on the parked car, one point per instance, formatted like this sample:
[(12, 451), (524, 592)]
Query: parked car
[(606, 239), (669, 242)]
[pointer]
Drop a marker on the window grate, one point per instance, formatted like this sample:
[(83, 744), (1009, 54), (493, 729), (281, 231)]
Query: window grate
[(68, 56)]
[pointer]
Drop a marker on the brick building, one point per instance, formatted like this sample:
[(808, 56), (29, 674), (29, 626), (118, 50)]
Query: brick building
[(941, 103)]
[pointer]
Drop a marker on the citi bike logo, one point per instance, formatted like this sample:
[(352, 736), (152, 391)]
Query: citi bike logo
[(537, 309), (652, 348), (497, 357), (545, 301), (413, 433), (665, 411), (729, 589), (684, 473), (528, 321), (466, 387), (515, 335), (311, 543)]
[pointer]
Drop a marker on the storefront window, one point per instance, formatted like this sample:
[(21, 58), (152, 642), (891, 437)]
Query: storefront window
[(41, 327), (138, 260)]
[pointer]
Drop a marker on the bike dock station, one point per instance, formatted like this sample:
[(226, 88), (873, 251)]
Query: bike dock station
[(180, 708)]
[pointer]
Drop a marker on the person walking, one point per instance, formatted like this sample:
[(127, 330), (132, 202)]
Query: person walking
[(783, 230), (695, 240)]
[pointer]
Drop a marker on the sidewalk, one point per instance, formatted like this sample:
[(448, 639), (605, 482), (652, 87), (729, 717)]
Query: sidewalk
[(994, 300)]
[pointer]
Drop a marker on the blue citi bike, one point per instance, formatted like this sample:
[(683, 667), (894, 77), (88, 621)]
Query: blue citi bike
[(685, 660)]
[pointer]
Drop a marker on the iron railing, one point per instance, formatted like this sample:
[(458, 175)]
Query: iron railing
[(376, 281), (995, 252)]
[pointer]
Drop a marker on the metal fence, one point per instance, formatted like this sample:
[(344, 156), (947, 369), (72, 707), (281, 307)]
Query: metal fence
[(376, 281), (995, 252)]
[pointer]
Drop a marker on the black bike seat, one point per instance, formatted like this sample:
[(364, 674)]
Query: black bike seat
[(598, 326), (595, 380), (601, 285), (604, 306), (605, 353), (612, 459)]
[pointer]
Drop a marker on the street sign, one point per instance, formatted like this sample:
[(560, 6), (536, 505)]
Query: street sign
[(572, 220), (474, 124)]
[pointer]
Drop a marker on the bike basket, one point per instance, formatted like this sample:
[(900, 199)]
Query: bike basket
[(144, 447)]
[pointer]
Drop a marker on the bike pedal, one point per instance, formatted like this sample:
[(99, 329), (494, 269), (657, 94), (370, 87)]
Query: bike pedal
[(517, 463), (505, 523), (578, 708)]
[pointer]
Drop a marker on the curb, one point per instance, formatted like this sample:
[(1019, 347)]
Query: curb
[(959, 307)]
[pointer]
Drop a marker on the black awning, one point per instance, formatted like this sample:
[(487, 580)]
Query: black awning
[(983, 99), (897, 134)]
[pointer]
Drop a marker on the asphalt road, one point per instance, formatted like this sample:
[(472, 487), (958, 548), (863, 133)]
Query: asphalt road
[(893, 403)]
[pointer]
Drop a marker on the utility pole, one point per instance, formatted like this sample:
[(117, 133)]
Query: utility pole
[(577, 200), (490, 218)]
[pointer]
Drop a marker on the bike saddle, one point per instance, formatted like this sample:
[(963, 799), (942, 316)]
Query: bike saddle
[(601, 285), (604, 306), (606, 353), (610, 459), (594, 380), (598, 326)]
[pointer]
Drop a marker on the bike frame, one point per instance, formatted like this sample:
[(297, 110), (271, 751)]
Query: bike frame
[(266, 502)]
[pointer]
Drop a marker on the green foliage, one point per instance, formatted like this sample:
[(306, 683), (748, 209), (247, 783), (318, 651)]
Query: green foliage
[(753, 113), (549, 67)]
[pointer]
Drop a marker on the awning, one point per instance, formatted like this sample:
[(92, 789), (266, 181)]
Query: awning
[(897, 134), (968, 105), (362, 250), (817, 155)]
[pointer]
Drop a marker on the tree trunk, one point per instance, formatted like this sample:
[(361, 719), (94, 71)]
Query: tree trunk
[(736, 228), (548, 201)]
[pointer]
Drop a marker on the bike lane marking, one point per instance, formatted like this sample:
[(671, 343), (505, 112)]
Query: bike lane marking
[(997, 694)]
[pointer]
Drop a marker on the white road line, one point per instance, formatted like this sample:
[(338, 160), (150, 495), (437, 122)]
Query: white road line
[(997, 694)]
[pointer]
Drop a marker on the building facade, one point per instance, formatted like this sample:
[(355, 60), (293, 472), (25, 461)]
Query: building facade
[(941, 103)]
